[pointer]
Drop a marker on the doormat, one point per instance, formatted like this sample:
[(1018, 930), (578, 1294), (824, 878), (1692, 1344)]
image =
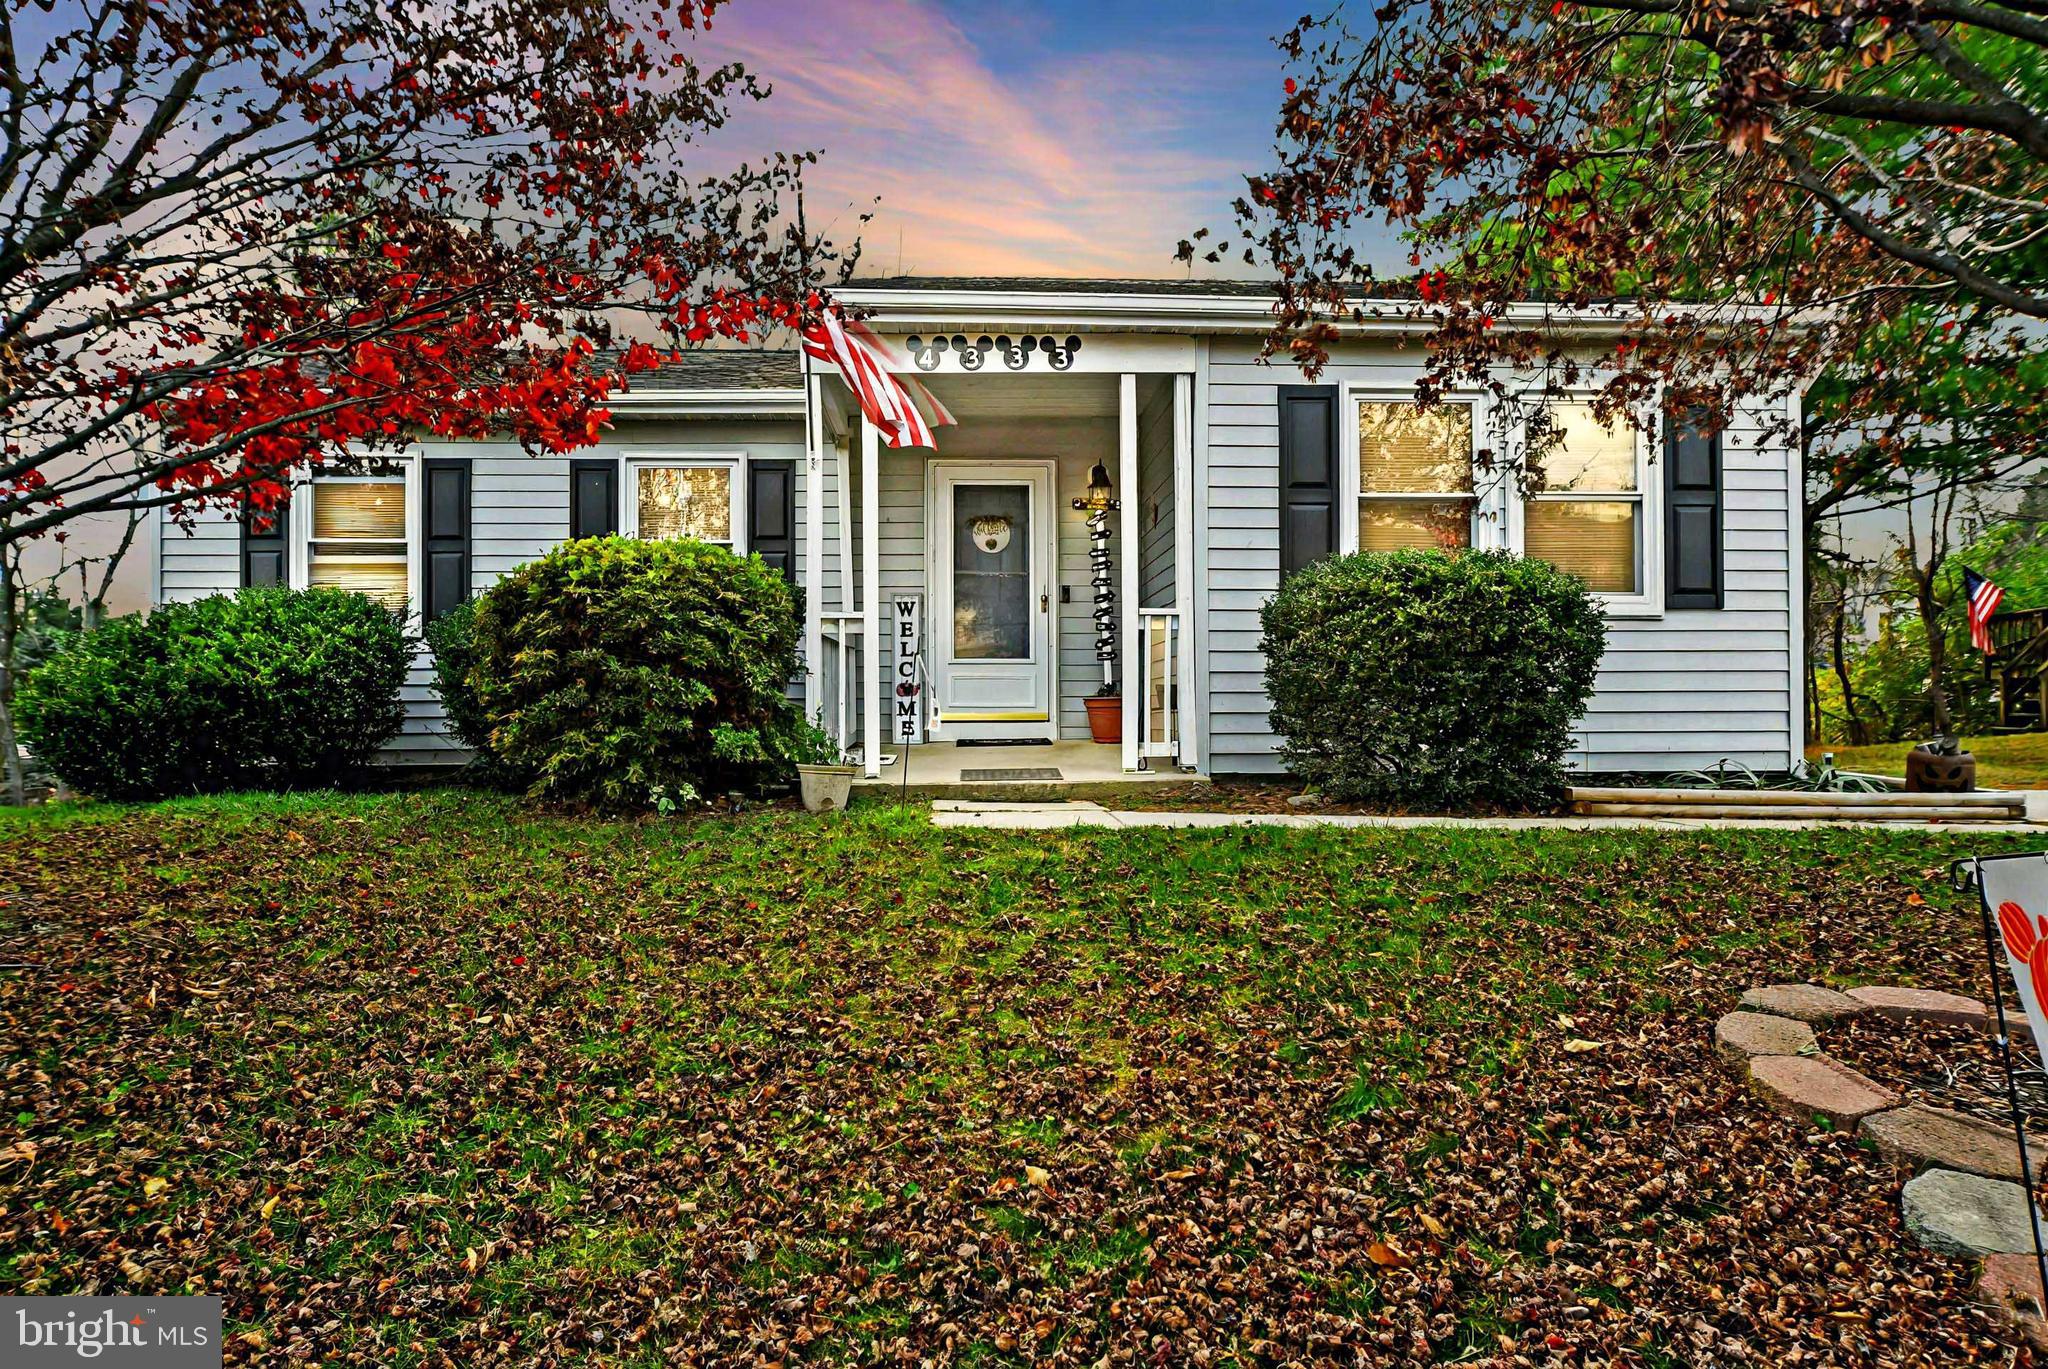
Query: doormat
[(1027, 772), (1004, 741)]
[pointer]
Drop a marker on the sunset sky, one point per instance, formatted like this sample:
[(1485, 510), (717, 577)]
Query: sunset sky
[(1068, 139)]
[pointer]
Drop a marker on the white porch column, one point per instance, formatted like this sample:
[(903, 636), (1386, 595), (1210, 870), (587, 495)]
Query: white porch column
[(871, 597), (1184, 562), (814, 547), (1130, 623)]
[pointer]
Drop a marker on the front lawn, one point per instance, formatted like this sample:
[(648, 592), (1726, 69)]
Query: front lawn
[(2015, 761), (423, 1079)]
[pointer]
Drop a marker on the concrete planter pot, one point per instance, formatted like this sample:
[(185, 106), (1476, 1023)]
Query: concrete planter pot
[(1930, 772), (825, 787), (1106, 719)]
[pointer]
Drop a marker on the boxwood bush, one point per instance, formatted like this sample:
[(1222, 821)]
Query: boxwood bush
[(620, 674), (1422, 679), (452, 639), (268, 687)]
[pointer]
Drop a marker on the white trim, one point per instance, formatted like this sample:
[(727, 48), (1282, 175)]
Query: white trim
[(1795, 570), (1483, 527), (814, 548), (1129, 625), (940, 471), (902, 310), (1195, 710), (155, 522), (305, 499), (1648, 600), (1184, 564), (666, 459), (710, 403), (872, 642)]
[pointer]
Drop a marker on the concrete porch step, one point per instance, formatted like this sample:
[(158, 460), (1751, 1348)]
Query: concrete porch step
[(1035, 774)]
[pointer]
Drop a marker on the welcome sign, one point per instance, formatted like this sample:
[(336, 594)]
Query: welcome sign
[(906, 639)]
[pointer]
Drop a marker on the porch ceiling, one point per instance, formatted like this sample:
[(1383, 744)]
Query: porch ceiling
[(1077, 395)]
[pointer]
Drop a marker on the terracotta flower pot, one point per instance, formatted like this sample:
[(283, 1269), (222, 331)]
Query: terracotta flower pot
[(1106, 719)]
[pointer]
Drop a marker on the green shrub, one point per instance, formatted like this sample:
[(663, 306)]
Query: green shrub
[(1422, 679), (265, 687), (452, 639), (622, 674)]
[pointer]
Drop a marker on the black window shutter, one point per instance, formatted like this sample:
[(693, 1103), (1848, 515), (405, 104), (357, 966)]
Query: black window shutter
[(1308, 475), (1692, 517), (264, 544), (593, 498), (771, 514), (444, 525)]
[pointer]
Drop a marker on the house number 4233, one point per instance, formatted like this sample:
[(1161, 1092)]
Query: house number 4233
[(976, 353)]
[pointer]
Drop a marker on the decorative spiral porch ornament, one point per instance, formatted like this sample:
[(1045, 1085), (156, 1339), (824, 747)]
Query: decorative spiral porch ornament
[(1103, 581)]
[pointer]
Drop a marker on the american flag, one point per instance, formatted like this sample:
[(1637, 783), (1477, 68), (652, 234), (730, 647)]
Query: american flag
[(1983, 599), (901, 408)]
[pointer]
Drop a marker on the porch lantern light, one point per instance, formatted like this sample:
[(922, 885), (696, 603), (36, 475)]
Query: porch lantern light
[(1098, 487)]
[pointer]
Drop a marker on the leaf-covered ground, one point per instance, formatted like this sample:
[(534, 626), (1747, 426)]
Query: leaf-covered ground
[(427, 1080)]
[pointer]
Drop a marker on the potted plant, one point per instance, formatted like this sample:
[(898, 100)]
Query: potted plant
[(1106, 715), (823, 776)]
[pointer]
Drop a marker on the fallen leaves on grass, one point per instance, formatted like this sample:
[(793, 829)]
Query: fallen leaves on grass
[(897, 1097)]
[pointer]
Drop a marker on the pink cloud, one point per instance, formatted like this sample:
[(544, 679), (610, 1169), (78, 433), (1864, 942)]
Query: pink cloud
[(1080, 171)]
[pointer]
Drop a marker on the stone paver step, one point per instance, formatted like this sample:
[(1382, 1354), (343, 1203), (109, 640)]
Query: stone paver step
[(1808, 1002), (1810, 1086), (1740, 1035), (2012, 1284), (1923, 1005), (1952, 1213), (1923, 1135)]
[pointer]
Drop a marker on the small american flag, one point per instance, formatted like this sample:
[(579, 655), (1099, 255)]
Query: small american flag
[(901, 408), (1983, 599)]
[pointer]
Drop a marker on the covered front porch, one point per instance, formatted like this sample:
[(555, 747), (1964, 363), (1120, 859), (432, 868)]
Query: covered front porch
[(967, 594)]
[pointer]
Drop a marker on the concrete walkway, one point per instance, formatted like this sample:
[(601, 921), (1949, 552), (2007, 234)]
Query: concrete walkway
[(1039, 817)]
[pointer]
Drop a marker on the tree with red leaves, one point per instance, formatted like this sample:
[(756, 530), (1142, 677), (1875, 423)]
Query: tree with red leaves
[(1755, 189), (243, 238), (1763, 196)]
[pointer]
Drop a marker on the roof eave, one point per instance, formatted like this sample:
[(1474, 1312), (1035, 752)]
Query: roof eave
[(898, 308)]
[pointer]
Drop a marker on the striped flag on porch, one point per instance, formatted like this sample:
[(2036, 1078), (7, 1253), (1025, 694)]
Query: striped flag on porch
[(900, 407), (1983, 598)]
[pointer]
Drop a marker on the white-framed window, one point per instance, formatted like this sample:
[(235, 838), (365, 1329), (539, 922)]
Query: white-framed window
[(1591, 511), (1408, 472), (700, 496), (356, 532)]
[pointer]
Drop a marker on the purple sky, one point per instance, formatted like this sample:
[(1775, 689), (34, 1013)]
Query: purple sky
[(1064, 139)]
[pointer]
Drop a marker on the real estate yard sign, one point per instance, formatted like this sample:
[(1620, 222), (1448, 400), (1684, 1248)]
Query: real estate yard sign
[(2013, 892), (906, 619), (2017, 889)]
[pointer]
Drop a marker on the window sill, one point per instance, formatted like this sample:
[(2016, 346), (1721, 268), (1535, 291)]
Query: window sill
[(1631, 607)]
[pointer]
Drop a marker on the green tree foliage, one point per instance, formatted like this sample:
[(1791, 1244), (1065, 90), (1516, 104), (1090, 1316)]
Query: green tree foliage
[(1424, 679), (271, 687), (620, 674), (1889, 674)]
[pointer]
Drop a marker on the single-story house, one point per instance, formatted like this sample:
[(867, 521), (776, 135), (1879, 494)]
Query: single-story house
[(964, 572)]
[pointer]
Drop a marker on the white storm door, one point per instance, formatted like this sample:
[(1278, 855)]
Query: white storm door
[(990, 540)]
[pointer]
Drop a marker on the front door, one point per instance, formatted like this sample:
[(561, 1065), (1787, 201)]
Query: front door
[(991, 570)]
